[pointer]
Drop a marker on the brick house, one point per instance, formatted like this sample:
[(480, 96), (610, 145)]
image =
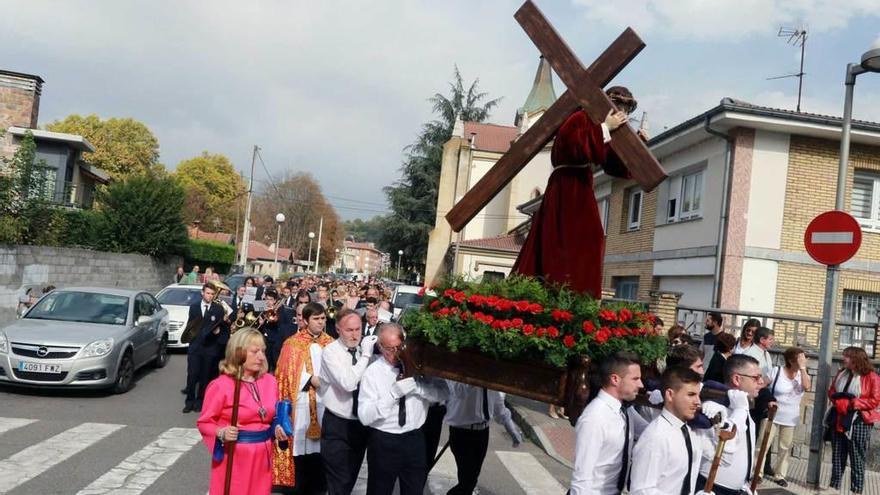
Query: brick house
[(72, 180), (726, 228)]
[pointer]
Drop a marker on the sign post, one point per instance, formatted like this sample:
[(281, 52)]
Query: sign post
[(832, 238)]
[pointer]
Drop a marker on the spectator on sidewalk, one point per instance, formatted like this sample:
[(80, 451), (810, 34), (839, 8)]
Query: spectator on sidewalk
[(178, 276), (788, 386), (722, 350), (746, 336), (715, 326)]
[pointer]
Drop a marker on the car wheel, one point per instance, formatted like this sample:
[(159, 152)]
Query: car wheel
[(124, 375), (161, 354)]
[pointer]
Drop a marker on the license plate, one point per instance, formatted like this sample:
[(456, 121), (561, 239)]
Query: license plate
[(38, 367)]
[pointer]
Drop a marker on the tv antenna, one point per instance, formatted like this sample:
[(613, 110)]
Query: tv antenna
[(796, 37)]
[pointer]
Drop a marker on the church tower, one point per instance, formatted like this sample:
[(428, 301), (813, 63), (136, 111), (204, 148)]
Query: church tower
[(540, 97)]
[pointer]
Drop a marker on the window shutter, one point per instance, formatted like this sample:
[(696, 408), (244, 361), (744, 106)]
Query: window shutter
[(862, 193)]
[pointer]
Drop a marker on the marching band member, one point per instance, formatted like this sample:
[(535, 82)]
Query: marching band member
[(742, 375), (298, 370), (602, 454), (394, 409), (205, 324), (469, 410), (343, 437), (667, 457)]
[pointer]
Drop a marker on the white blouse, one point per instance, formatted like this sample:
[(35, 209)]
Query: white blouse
[(788, 393)]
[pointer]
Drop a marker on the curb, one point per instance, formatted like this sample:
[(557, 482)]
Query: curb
[(536, 435)]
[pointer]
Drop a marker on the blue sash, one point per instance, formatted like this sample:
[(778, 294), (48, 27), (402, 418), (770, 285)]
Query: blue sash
[(243, 437)]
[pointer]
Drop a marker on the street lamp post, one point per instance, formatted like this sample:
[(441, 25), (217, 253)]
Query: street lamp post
[(870, 63), (337, 258), (311, 237), (280, 219), (399, 256)]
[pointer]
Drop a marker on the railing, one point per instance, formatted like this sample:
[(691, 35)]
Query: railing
[(74, 195), (788, 330)]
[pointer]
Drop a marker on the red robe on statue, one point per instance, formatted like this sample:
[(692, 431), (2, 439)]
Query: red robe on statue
[(566, 243)]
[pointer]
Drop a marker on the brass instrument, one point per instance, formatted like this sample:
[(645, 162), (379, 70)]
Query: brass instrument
[(245, 320), (331, 311)]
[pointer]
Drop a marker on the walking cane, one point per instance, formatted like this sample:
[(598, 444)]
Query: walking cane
[(723, 437), (230, 447), (759, 464)]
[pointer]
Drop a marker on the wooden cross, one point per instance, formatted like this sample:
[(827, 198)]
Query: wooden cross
[(584, 90)]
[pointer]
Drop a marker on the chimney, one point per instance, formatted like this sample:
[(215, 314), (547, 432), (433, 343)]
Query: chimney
[(19, 99)]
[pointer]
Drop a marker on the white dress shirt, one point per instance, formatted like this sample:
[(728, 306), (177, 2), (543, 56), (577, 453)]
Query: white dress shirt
[(464, 407), (599, 444), (369, 329), (378, 405), (301, 444), (735, 464), (660, 458), (339, 378), (765, 362)]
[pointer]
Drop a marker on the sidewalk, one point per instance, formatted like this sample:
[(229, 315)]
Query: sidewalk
[(556, 437)]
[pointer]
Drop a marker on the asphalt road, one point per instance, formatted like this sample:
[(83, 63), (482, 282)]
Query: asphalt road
[(93, 442)]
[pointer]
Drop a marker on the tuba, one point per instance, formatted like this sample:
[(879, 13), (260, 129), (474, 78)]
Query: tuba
[(331, 311)]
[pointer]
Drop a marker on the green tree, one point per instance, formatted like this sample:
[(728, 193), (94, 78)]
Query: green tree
[(212, 187), (143, 214), (365, 230), (123, 146), (413, 198), (26, 192)]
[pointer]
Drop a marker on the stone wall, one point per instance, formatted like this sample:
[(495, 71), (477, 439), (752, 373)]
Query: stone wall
[(38, 266)]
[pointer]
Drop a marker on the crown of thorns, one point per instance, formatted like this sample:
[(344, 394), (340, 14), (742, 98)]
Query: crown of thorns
[(626, 103)]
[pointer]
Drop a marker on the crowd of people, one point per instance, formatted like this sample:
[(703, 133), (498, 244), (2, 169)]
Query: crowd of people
[(674, 451), (338, 392)]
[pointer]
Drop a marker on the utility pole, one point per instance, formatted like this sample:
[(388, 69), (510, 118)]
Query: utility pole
[(318, 255), (246, 235)]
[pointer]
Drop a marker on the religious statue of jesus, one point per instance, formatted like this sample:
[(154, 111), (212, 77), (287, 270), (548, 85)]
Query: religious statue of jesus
[(566, 243)]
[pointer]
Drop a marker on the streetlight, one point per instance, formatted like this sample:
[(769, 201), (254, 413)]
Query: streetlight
[(870, 63), (311, 236), (399, 256), (337, 257), (280, 219)]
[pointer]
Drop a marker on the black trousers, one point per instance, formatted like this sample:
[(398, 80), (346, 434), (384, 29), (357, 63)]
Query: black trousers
[(469, 448), (343, 445), (200, 370), (309, 474), (395, 457), (717, 489), (432, 429)]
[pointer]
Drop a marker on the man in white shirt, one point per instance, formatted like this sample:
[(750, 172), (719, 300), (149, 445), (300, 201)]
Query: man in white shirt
[(743, 376), (394, 408), (666, 459), (469, 410), (343, 437), (763, 341), (606, 430)]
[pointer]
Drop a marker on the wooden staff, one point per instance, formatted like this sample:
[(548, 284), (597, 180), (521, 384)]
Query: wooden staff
[(230, 446), (759, 464), (723, 437)]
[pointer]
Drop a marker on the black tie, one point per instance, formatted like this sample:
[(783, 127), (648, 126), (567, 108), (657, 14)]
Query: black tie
[(354, 395), (686, 486), (621, 480), (749, 448), (485, 405), (401, 411)]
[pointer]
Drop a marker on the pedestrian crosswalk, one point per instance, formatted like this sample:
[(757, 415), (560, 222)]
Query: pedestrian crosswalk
[(151, 462)]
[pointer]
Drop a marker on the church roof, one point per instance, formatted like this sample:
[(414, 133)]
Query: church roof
[(510, 242), (490, 137), (542, 94)]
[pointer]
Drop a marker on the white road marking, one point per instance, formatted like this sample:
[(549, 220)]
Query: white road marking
[(34, 460), (141, 469), (529, 473), (831, 238), (7, 424)]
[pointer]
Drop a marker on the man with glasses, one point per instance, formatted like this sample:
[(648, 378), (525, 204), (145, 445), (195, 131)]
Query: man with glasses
[(394, 408), (742, 375)]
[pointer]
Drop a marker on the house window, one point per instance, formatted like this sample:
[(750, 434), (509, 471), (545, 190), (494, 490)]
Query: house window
[(626, 288), (634, 209), (603, 212), (859, 307), (865, 202), (691, 195), (489, 276)]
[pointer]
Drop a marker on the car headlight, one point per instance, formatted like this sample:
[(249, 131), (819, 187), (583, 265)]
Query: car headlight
[(98, 348), (4, 343)]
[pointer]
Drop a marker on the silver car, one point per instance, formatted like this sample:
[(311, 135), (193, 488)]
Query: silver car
[(85, 337)]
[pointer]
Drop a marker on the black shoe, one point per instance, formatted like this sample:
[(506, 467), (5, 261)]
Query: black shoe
[(781, 482), (198, 408), (183, 391), (187, 409)]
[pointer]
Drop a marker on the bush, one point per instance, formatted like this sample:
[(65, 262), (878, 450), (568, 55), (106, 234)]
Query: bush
[(210, 253), (143, 214)]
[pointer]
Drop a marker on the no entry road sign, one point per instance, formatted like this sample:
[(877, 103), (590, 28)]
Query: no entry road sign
[(833, 237)]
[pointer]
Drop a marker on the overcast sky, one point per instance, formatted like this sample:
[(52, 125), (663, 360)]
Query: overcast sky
[(338, 89)]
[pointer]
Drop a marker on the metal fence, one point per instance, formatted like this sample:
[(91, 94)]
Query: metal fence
[(788, 330)]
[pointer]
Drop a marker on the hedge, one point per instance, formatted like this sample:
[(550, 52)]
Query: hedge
[(210, 253)]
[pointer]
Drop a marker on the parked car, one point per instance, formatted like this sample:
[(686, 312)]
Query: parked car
[(234, 281), (177, 300), (85, 337), (405, 296)]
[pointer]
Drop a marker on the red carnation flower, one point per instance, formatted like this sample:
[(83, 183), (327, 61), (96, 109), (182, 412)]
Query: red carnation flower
[(522, 306), (589, 327), (454, 310), (435, 303), (517, 322), (496, 324), (542, 332), (421, 292), (449, 292), (624, 315), (607, 315), (602, 335), (568, 341), (528, 329), (619, 332), (553, 332), (535, 308), (465, 316), (476, 300), (560, 315), (460, 297)]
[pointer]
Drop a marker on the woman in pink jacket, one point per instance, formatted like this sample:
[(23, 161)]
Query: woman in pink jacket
[(855, 396)]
